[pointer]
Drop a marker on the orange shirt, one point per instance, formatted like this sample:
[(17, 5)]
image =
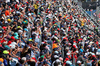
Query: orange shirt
[(7, 13)]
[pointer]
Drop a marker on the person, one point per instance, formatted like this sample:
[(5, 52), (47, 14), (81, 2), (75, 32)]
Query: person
[(78, 63), (46, 33), (94, 62), (36, 5)]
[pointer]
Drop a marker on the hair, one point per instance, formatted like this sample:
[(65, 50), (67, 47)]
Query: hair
[(21, 61), (25, 48), (40, 59)]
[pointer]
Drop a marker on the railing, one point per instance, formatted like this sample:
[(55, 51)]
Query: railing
[(93, 20)]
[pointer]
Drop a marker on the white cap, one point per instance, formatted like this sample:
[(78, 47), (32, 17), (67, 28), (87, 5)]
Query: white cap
[(78, 61), (67, 47), (55, 56), (22, 43), (13, 43), (56, 52), (89, 45), (86, 54), (58, 60), (20, 31), (24, 58), (76, 51), (97, 53), (92, 53), (67, 53), (29, 14), (12, 46), (69, 62)]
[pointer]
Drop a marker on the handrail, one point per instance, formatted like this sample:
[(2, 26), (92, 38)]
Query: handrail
[(87, 15)]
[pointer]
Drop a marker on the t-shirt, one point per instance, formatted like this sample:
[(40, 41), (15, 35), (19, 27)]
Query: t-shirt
[(93, 63), (7, 13), (36, 6)]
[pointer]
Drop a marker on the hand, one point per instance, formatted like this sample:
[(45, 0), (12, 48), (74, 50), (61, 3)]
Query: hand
[(5, 35)]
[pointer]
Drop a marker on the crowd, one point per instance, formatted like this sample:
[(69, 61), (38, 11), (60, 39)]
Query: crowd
[(46, 33)]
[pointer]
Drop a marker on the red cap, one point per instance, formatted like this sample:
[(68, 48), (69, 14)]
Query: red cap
[(65, 38), (49, 12), (55, 33), (27, 2), (47, 9), (66, 59), (23, 6), (19, 58), (58, 29), (9, 42), (2, 41), (4, 27), (12, 38), (37, 1), (12, 10), (34, 59), (74, 46), (93, 55)]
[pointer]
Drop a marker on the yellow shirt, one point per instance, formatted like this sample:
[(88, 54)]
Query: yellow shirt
[(82, 23), (36, 6)]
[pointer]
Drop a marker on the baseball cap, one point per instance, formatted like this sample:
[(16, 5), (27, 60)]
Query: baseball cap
[(1, 59), (16, 34), (16, 37), (42, 56), (68, 62), (5, 52), (9, 20), (4, 27), (12, 38), (67, 53), (78, 62), (25, 29)]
